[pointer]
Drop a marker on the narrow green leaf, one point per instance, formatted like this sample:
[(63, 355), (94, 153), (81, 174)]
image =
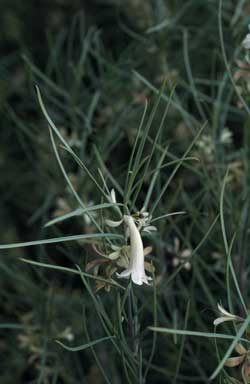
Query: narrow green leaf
[(164, 188), (227, 249), (62, 239), (83, 346), (70, 270), (209, 335), (69, 149), (79, 212)]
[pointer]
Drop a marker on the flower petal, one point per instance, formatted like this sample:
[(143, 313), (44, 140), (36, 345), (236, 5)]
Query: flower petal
[(149, 229), (246, 42), (147, 280), (222, 319), (139, 278), (186, 253), (175, 262), (224, 312), (126, 273), (114, 255), (240, 349), (234, 361), (112, 223), (187, 266)]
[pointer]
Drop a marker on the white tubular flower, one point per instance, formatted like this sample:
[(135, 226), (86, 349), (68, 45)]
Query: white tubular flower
[(226, 316), (136, 267), (246, 41)]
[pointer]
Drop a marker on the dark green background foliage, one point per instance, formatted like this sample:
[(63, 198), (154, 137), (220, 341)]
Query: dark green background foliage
[(96, 62)]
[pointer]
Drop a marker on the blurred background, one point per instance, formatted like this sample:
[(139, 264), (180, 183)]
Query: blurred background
[(96, 63)]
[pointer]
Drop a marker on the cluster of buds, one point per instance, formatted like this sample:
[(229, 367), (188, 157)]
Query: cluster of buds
[(206, 145), (180, 256)]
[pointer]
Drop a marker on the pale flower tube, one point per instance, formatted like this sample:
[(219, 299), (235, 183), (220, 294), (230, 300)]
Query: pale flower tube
[(246, 41), (226, 316), (136, 267)]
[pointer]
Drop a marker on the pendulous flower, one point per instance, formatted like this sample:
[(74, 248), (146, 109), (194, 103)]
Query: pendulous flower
[(136, 268)]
